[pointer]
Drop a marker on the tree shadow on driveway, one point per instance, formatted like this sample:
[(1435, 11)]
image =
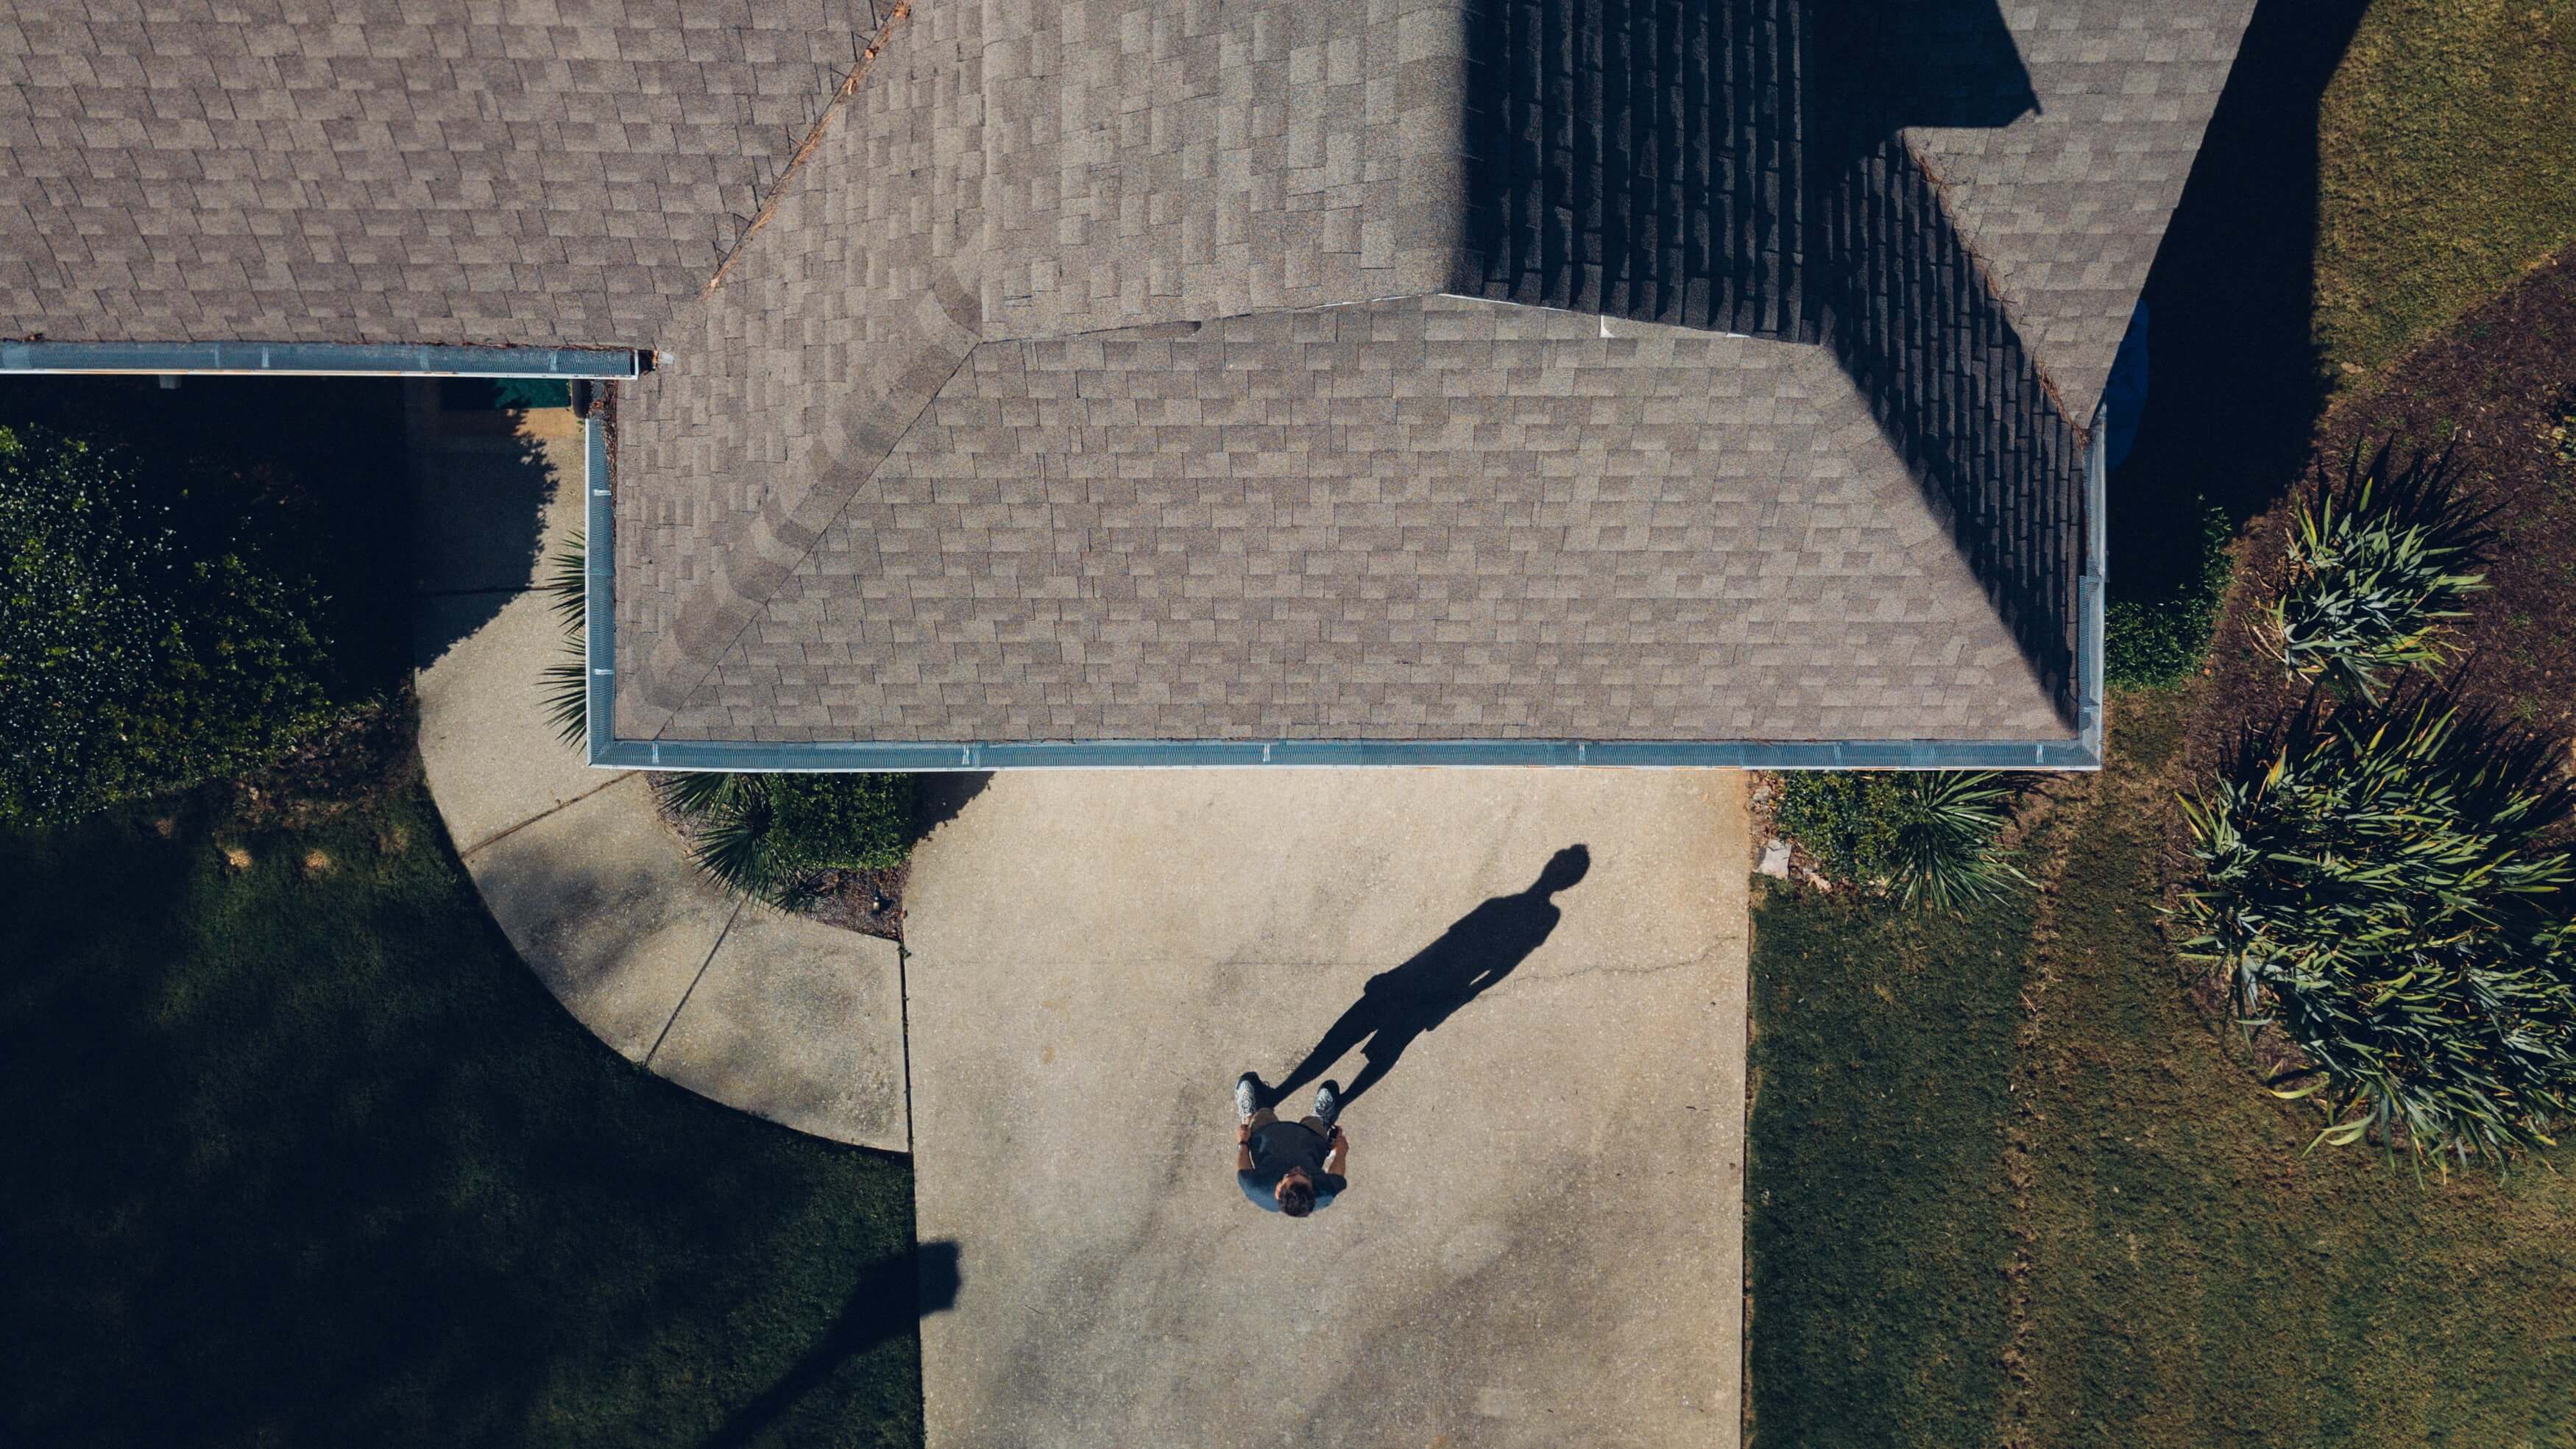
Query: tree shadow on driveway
[(1401, 1004)]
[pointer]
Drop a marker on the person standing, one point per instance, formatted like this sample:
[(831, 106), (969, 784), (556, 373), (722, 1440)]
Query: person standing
[(1288, 1167)]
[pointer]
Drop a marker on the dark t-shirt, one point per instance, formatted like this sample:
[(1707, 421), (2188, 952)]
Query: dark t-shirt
[(1277, 1147)]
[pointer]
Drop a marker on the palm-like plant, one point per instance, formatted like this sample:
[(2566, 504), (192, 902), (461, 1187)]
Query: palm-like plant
[(1929, 834), (2377, 877), (729, 819), (567, 681), (2378, 566), (772, 836), (1942, 853)]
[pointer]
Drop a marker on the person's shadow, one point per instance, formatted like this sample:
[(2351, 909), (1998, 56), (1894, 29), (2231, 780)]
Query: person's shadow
[(1400, 1004)]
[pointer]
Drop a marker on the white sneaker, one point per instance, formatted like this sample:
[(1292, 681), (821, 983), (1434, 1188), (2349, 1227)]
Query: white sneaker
[(1328, 1102)]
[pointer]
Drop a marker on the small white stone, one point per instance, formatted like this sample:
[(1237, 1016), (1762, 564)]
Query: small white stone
[(1775, 859)]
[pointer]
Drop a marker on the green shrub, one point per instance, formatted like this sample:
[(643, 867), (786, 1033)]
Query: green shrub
[(2158, 633), (1930, 835), (2378, 876), (2377, 569), (137, 657), (772, 836)]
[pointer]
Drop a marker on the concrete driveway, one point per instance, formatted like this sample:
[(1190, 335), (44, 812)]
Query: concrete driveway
[(1542, 1240)]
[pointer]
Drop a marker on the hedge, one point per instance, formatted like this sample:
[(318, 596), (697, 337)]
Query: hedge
[(140, 651)]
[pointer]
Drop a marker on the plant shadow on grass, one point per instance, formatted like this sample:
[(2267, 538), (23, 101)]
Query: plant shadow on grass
[(2234, 387), (313, 1160)]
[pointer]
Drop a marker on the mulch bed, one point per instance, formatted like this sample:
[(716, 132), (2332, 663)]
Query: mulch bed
[(360, 758), (869, 902), (2492, 388)]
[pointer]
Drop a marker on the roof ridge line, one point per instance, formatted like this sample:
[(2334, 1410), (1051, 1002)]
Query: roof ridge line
[(1611, 319), (813, 137), (1221, 317), (1985, 274), (716, 658)]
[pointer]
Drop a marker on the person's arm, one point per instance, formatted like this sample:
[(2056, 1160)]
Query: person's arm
[(1243, 1147), (1339, 1154)]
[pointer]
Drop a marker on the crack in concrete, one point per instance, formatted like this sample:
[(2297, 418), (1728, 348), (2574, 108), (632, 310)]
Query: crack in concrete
[(498, 836), (1519, 984), (683, 1003)]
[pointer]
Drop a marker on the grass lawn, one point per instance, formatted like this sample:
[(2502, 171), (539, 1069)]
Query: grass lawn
[(2191, 1278), (2195, 1279), (304, 1156), (2447, 165), (1876, 1208), (2007, 1185)]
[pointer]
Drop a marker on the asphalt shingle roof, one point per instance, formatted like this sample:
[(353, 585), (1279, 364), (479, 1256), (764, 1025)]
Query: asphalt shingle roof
[(1420, 518), (2065, 205), (539, 172), (1641, 160), (1093, 373), (1021, 169)]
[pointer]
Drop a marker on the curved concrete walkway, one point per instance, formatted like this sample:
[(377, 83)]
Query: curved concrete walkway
[(796, 1022), (1542, 1242)]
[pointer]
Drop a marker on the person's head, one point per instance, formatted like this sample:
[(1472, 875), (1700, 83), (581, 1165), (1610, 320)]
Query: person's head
[(1563, 869), (1296, 1193)]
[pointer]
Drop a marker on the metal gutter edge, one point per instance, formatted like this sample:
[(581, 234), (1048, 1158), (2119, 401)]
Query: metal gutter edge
[(599, 592), (318, 358), (2089, 597), (723, 755), (606, 751)]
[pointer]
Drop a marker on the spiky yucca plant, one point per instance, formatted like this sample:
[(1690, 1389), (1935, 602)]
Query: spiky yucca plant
[(2377, 877), (2378, 566), (567, 681), (1943, 854), (771, 836), (1929, 834)]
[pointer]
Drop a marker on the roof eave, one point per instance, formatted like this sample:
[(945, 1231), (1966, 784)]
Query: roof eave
[(2081, 751), (321, 359)]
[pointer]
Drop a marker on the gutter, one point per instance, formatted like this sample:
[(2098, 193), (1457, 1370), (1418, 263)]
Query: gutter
[(336, 359), (606, 751)]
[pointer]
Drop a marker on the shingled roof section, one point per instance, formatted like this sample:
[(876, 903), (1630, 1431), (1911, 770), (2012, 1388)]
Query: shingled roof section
[(513, 172), (1144, 161), (1084, 383), (1423, 518), (1641, 158), (2066, 205), (777, 392), (1087, 374), (1008, 171)]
